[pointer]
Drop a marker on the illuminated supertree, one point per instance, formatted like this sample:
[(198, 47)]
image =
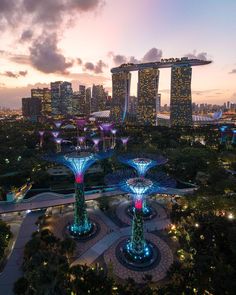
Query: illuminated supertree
[(234, 137), (41, 134), (137, 250), (124, 141), (223, 138), (142, 163), (58, 142), (81, 142), (58, 124), (78, 163), (105, 130), (96, 141), (55, 134), (113, 132)]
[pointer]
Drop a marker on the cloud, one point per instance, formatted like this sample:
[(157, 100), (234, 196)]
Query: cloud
[(46, 57), (10, 74), (96, 68), (201, 55), (152, 55), (233, 71), (26, 35)]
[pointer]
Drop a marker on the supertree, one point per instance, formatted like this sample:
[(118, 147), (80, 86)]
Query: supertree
[(78, 163), (96, 141), (41, 134), (58, 124), (113, 132), (137, 250), (58, 142), (124, 141), (142, 163), (105, 130), (81, 142), (55, 134), (223, 137), (234, 137)]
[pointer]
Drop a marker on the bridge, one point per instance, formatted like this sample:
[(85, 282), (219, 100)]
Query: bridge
[(165, 63), (48, 199)]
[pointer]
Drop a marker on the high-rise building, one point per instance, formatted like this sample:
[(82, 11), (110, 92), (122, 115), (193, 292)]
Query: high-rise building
[(78, 103), (98, 100), (158, 106), (88, 101), (31, 108), (148, 81), (181, 100), (61, 98), (45, 96), (120, 96)]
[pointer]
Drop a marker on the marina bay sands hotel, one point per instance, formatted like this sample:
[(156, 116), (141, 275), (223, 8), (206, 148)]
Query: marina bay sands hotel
[(148, 82)]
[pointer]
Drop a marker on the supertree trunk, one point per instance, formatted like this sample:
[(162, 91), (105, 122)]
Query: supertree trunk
[(81, 221), (137, 237)]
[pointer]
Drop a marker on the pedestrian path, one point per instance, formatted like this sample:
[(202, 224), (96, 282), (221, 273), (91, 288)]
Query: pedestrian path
[(116, 233), (12, 271)]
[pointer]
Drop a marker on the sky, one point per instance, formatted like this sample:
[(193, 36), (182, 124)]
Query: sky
[(81, 40)]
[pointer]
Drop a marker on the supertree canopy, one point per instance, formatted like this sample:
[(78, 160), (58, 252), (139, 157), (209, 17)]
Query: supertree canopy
[(142, 163), (58, 124), (78, 163)]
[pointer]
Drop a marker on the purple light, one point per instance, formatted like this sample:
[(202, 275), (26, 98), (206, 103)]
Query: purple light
[(96, 141), (85, 129), (58, 124), (55, 133), (41, 133), (124, 140), (81, 139), (81, 123), (106, 127), (114, 131), (58, 140)]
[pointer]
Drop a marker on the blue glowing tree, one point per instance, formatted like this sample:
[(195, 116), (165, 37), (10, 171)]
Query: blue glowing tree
[(223, 137), (139, 187), (78, 163), (142, 163)]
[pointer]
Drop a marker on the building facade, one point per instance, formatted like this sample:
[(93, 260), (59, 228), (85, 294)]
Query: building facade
[(180, 99), (61, 97), (120, 96), (148, 82), (31, 108)]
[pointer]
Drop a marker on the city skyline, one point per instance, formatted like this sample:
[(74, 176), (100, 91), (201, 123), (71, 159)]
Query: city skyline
[(109, 35)]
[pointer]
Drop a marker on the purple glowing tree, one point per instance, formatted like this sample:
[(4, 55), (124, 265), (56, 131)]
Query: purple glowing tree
[(55, 134), (113, 132), (105, 130), (81, 141), (124, 141), (41, 134), (58, 142), (96, 141), (58, 124)]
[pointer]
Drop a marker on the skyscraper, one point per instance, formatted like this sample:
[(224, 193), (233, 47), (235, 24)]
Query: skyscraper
[(148, 80), (45, 96), (31, 108), (98, 100), (120, 96), (88, 101), (180, 100), (61, 98)]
